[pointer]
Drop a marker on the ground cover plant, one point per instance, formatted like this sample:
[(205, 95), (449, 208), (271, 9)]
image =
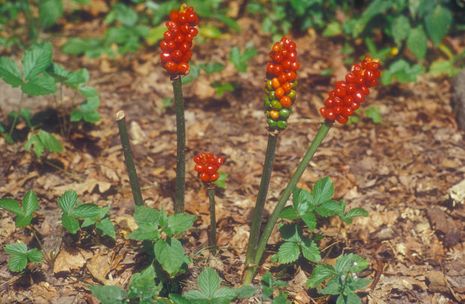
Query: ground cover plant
[(283, 187)]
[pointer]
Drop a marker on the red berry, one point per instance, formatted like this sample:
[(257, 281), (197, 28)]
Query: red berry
[(341, 119), (214, 177), (204, 177)]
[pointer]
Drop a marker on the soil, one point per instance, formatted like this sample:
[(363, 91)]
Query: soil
[(400, 170)]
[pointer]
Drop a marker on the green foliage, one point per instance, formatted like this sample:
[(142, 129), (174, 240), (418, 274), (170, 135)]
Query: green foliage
[(211, 292), (142, 288), (240, 60), (19, 256), (43, 141), (271, 286), (221, 181), (74, 212), (23, 213), (341, 279), (152, 224), (374, 114)]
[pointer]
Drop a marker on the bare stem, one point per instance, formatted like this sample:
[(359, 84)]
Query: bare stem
[(317, 140), (212, 234), (181, 145), (133, 179), (261, 198)]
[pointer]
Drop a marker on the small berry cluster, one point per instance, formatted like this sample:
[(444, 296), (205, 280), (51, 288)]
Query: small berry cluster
[(347, 95), (177, 42), (280, 84), (207, 165)]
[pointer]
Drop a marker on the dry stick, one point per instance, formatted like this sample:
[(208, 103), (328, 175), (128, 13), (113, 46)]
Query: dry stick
[(181, 145), (261, 198), (320, 135), (128, 159), (212, 234)]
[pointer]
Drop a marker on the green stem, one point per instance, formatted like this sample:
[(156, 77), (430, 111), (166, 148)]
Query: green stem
[(317, 140), (261, 198), (212, 234), (181, 145), (133, 179)]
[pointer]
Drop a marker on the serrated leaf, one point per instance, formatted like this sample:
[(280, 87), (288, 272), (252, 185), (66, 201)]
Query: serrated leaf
[(85, 210), (350, 262), (178, 299), (417, 42), (42, 84), (16, 248), (23, 220), (180, 222), (223, 295), (245, 292), (35, 256), (170, 254), (357, 284), (9, 72), (352, 213), (146, 216), (289, 213), (58, 71), (30, 203), (319, 274), (68, 201), (332, 288), (145, 232), (17, 262), (209, 281), (330, 208), (310, 251), (11, 205), (309, 220), (400, 29), (142, 285), (195, 295), (34, 142), (221, 181), (323, 190), (36, 60), (70, 223), (374, 114), (77, 78), (106, 227), (288, 252), (437, 23), (332, 29), (108, 294), (49, 12)]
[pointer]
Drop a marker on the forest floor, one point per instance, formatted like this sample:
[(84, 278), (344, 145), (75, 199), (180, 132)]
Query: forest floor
[(399, 170)]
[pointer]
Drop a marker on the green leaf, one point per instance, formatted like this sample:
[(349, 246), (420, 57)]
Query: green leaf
[(437, 23), (35, 255), (309, 220), (106, 227), (323, 190), (70, 223), (34, 142), (68, 201), (417, 42), (319, 274), (23, 220), (224, 295), (222, 88), (178, 299), (209, 281), (332, 29), (212, 67), (17, 262), (246, 291), (43, 84), (145, 232), (221, 181), (78, 46), (146, 216), (11, 205), (85, 210), (350, 263), (357, 284), (289, 213), (352, 213), (30, 203), (36, 60), (400, 29), (9, 72), (288, 252), (109, 294), (331, 208), (58, 71), (49, 12), (443, 67), (170, 254), (155, 34), (310, 251), (210, 31), (50, 142), (374, 114), (180, 222), (16, 248), (77, 78), (142, 285), (239, 60), (332, 288)]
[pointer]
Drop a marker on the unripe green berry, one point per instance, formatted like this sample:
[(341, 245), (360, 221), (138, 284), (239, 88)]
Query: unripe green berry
[(284, 114), (282, 124)]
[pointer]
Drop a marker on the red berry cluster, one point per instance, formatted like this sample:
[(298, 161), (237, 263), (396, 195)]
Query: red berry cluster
[(347, 95), (281, 82), (207, 165), (177, 42)]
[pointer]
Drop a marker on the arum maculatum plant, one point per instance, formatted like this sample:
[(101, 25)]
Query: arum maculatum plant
[(175, 56), (207, 165), (280, 94), (340, 104)]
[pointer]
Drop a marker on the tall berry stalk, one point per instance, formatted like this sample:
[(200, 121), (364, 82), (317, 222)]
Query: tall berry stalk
[(342, 101), (207, 165), (280, 95), (176, 54)]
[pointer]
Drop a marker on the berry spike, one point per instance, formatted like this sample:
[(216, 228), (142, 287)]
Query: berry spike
[(177, 40), (347, 95), (281, 81), (207, 165)]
